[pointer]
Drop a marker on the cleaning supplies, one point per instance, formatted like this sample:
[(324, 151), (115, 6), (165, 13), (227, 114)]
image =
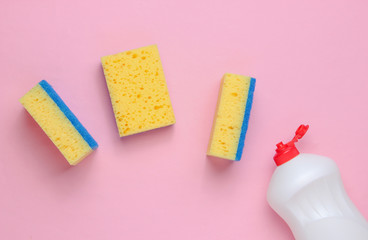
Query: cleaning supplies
[(307, 192), (58, 122), (138, 91), (231, 119)]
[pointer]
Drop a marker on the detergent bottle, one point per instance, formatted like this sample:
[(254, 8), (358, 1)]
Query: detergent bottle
[(306, 190)]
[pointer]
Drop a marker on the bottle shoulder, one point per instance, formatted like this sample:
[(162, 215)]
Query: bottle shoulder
[(292, 176), (306, 163)]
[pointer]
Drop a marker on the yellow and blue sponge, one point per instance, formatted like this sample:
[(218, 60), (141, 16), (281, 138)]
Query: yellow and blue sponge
[(232, 116), (58, 122)]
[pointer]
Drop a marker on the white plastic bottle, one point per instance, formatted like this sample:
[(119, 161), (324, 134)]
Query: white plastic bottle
[(307, 192)]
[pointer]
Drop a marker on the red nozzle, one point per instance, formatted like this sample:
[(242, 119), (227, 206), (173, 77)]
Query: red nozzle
[(286, 152)]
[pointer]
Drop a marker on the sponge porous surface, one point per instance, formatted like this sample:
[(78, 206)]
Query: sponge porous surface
[(56, 124), (138, 90), (231, 118)]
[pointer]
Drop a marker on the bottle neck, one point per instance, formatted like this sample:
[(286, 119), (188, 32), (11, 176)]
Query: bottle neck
[(288, 151), (285, 155)]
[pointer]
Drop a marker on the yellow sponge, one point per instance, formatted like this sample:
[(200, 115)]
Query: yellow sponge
[(232, 116), (138, 90), (58, 122)]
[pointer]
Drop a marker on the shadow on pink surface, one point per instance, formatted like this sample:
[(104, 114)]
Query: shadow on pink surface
[(40, 149), (105, 98), (218, 177), (145, 146), (219, 164), (276, 223), (146, 137)]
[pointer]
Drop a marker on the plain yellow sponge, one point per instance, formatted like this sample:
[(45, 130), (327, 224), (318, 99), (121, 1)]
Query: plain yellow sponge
[(58, 122), (232, 115), (138, 90)]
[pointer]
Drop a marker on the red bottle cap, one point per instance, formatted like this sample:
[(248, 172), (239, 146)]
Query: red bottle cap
[(286, 152)]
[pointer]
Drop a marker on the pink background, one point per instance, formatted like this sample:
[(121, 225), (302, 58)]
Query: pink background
[(310, 60)]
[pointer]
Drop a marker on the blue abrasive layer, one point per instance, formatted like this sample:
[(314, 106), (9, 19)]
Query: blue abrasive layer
[(72, 118), (244, 128)]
